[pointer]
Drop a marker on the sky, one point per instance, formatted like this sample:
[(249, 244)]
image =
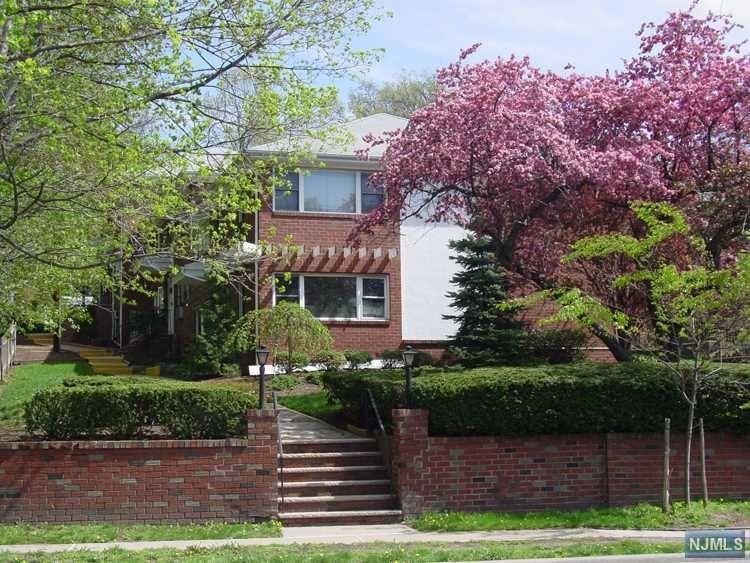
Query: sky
[(592, 35)]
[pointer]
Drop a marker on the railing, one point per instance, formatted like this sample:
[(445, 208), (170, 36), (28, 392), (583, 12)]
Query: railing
[(275, 396), (7, 352), (374, 424)]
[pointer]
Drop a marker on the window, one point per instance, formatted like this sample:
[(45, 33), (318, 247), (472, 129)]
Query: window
[(287, 289), (331, 297), (328, 191), (372, 194), (286, 198), (373, 298), (336, 296)]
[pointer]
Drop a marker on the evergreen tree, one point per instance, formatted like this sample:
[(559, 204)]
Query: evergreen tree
[(486, 334)]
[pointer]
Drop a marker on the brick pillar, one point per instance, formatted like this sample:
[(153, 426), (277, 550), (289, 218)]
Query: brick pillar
[(263, 438), (408, 452)]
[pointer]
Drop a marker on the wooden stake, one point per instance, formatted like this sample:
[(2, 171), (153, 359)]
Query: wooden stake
[(665, 468), (704, 477)]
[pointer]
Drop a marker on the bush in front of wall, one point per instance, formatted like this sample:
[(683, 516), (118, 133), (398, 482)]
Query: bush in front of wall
[(331, 360), (356, 359), (298, 360), (128, 411), (393, 359)]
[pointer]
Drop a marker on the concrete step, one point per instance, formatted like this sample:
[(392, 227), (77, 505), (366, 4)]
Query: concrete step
[(322, 445), (107, 362), (331, 459), (332, 473), (341, 517), (112, 370), (337, 502), (337, 487)]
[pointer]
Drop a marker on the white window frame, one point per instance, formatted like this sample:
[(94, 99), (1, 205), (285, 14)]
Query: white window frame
[(301, 192), (359, 278)]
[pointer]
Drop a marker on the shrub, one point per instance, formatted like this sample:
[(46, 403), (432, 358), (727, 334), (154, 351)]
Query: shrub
[(124, 411), (283, 382), (298, 360), (357, 358), (557, 346), (393, 359), (581, 398), (331, 360)]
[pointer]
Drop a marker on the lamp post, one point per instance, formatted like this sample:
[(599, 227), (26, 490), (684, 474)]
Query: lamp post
[(261, 354), (408, 354)]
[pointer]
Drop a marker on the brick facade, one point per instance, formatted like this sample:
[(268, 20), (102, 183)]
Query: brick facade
[(549, 472), (327, 230), (143, 481)]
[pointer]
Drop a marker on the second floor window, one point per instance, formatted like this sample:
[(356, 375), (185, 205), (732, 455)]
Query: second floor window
[(328, 191)]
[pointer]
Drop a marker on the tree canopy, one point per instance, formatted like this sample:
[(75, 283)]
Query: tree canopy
[(402, 96), (112, 138), (536, 159)]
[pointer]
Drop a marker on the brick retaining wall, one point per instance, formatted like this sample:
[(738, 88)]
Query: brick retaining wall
[(550, 472), (143, 481)]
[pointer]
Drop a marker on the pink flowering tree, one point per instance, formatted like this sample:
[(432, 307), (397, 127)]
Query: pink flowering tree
[(537, 160)]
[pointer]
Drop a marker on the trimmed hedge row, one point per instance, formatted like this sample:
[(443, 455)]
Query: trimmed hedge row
[(580, 398), (98, 409)]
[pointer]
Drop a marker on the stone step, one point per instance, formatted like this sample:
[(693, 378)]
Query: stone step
[(332, 473), (321, 445), (107, 361), (330, 459), (113, 371), (338, 487), (337, 503), (341, 517)]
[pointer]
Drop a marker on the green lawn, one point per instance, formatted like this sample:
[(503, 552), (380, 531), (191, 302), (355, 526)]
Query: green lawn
[(369, 553), (27, 379), (717, 514), (314, 404), (95, 533)]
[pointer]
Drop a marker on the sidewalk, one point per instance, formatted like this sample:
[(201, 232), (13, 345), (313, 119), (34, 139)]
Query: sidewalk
[(352, 535)]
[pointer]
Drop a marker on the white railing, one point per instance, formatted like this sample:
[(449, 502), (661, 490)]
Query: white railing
[(7, 351)]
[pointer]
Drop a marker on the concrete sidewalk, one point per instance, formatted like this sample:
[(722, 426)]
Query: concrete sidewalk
[(352, 535)]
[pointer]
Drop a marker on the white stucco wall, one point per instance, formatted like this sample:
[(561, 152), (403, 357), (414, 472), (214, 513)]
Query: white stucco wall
[(426, 270)]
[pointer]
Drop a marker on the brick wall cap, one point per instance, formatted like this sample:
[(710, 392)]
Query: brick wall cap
[(403, 413), (126, 444)]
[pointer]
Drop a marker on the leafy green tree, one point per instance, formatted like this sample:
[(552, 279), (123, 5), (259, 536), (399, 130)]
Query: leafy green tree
[(111, 145), (700, 310), (487, 333), (286, 329), (402, 96)]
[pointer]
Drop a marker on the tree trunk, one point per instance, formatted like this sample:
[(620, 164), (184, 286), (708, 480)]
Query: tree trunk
[(688, 445), (617, 346), (665, 468), (704, 477)]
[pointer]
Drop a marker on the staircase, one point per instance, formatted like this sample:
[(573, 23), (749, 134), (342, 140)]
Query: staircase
[(104, 362), (334, 481)]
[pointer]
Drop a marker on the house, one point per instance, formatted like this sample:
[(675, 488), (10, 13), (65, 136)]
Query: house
[(388, 292)]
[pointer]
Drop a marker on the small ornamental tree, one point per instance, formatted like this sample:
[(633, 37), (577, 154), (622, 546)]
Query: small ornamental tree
[(486, 333), (537, 159), (698, 309), (285, 328)]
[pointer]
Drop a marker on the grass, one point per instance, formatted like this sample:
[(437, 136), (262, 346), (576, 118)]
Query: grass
[(26, 380), (314, 404), (367, 553), (717, 514), (96, 533)]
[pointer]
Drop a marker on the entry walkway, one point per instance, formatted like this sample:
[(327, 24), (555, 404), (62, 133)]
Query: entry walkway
[(294, 425), (352, 535)]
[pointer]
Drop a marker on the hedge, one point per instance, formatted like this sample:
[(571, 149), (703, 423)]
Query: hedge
[(581, 398), (126, 411)]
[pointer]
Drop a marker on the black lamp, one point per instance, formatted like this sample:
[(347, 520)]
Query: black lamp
[(409, 354), (261, 355)]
